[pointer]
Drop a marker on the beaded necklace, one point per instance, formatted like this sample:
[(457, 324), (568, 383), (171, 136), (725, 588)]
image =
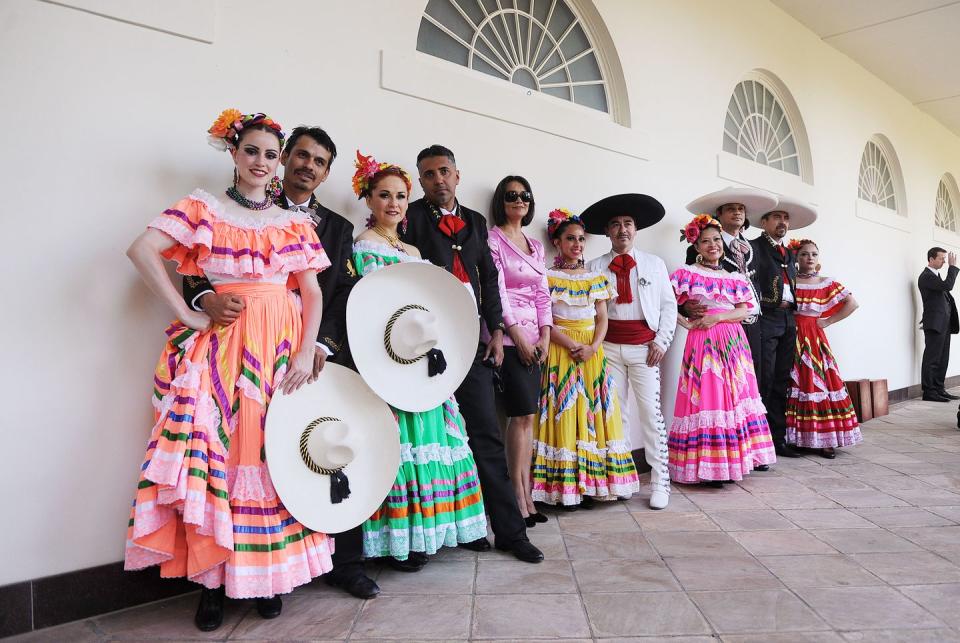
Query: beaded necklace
[(235, 194), (560, 264), (392, 240), (808, 275)]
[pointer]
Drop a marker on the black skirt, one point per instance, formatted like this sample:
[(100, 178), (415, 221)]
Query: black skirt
[(519, 385)]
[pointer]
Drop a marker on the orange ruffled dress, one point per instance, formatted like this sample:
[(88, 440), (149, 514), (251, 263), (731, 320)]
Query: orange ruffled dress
[(205, 506)]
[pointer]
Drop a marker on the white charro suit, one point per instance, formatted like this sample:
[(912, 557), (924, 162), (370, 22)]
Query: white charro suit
[(654, 302)]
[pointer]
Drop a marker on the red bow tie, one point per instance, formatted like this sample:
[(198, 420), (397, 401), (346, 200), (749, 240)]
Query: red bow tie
[(621, 267), (451, 224)]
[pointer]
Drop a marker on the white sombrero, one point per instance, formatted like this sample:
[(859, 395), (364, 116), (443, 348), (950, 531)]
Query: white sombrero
[(754, 201), (801, 213), (333, 450), (406, 321)]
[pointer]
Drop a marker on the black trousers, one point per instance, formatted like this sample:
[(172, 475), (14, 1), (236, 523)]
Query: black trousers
[(777, 340), (478, 406), (348, 553), (936, 356)]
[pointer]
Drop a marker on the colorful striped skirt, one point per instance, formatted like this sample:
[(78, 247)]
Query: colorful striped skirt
[(819, 410), (205, 507), (435, 501), (578, 444), (719, 429)]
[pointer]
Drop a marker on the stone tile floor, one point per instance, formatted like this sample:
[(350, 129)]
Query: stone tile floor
[(862, 548)]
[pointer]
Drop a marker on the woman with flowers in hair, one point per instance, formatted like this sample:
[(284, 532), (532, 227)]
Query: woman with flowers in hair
[(719, 431), (205, 507), (575, 457), (435, 500), (820, 413)]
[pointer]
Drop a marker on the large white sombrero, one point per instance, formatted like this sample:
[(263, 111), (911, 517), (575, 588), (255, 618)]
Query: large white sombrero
[(754, 201), (801, 213), (398, 319), (324, 437)]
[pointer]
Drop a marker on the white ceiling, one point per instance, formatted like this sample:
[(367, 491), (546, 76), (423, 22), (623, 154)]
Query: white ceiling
[(912, 45)]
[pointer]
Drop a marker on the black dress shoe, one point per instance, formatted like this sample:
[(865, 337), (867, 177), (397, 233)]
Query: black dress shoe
[(716, 484), (480, 544), (787, 451), (210, 610), (949, 396), (523, 550), (829, 454), (530, 522), (762, 467), (269, 607), (415, 562), (539, 517), (934, 397), (357, 584)]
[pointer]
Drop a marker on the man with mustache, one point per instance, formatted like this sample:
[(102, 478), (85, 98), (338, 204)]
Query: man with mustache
[(454, 237), (641, 322), (306, 159), (774, 279)]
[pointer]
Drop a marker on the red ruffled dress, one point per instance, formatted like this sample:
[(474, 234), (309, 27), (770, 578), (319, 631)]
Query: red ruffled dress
[(205, 507), (820, 413)]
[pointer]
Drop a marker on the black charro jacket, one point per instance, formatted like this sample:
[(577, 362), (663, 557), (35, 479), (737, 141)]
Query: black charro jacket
[(423, 231), (768, 267), (336, 237)]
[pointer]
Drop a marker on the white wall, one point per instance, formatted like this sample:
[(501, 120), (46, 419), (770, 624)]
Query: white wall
[(105, 126)]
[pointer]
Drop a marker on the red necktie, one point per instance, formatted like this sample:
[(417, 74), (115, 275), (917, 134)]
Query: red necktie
[(621, 267), (450, 225)]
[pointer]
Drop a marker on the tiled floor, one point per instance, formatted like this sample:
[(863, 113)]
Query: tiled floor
[(862, 548)]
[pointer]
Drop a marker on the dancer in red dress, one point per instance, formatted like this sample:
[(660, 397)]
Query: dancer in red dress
[(820, 413)]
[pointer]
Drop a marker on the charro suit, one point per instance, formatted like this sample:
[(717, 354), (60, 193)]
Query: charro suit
[(475, 395), (939, 322), (777, 330)]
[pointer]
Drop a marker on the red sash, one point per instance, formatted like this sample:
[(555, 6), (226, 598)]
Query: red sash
[(629, 331)]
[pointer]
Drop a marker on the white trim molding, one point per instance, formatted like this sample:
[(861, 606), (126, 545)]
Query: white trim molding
[(884, 216)]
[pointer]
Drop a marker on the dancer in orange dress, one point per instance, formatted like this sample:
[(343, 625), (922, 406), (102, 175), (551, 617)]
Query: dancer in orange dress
[(205, 507)]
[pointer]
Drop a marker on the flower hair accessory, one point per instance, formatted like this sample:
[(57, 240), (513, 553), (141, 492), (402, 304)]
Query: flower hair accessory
[(796, 244), (558, 216), (367, 168), (691, 232), (225, 131)]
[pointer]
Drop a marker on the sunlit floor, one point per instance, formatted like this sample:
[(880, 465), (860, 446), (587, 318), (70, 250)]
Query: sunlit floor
[(862, 548)]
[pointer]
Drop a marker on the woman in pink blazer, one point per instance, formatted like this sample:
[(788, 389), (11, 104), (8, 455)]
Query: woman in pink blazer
[(526, 314)]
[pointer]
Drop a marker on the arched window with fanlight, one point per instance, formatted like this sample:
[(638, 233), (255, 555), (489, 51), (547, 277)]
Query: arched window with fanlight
[(945, 210), (763, 125), (880, 179), (543, 45)]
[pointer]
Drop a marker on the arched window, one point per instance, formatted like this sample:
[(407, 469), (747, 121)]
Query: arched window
[(764, 125), (881, 182), (945, 214), (541, 45)]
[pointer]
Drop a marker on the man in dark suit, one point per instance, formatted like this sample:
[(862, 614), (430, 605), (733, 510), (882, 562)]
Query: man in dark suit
[(774, 278), (454, 237), (939, 322), (306, 159)]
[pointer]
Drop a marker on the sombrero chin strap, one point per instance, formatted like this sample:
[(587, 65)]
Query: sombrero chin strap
[(436, 362), (339, 487)]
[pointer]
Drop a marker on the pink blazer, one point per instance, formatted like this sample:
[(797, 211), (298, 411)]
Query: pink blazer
[(524, 293)]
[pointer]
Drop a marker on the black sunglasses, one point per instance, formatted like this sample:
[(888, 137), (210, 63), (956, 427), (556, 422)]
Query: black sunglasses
[(513, 195)]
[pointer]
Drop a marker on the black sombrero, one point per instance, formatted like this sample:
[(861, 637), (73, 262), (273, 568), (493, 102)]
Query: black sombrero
[(645, 211)]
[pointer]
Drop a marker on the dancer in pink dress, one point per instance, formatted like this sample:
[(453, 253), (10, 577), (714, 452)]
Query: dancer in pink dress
[(719, 431)]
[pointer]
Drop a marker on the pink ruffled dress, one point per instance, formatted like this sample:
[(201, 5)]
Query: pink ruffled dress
[(719, 429), (205, 507)]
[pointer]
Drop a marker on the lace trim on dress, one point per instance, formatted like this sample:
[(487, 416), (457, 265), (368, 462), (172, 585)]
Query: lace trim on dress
[(247, 223), (384, 250), (433, 453), (560, 454), (579, 290), (720, 419)]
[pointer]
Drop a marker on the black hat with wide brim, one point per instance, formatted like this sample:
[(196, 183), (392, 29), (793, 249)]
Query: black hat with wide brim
[(643, 209)]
